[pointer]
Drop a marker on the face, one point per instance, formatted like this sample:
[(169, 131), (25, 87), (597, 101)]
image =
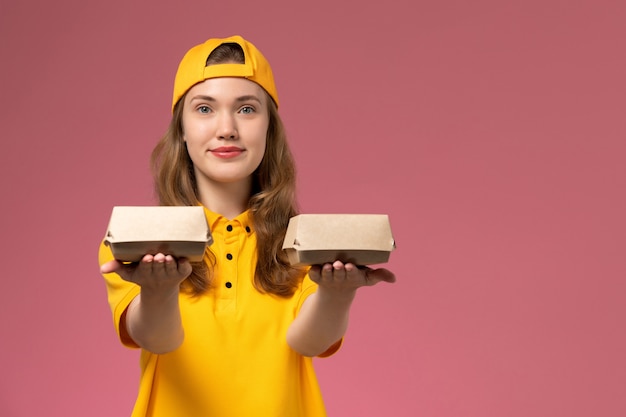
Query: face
[(225, 122)]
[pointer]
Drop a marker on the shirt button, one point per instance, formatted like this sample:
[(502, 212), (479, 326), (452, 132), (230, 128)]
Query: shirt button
[(229, 256), (229, 227), (228, 285)]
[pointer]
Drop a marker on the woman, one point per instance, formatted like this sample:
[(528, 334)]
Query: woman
[(234, 335)]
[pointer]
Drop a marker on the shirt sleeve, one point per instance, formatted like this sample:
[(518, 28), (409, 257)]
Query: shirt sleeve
[(120, 294)]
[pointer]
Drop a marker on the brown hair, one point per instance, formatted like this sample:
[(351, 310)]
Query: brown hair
[(272, 203)]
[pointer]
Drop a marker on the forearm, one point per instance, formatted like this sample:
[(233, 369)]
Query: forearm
[(322, 321), (153, 321)]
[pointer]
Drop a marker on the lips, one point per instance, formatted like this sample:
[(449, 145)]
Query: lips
[(227, 152)]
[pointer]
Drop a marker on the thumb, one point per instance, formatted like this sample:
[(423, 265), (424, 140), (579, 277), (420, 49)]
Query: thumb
[(111, 266), (374, 276)]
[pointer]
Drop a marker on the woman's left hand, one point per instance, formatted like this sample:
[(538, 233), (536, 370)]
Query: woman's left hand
[(323, 317), (348, 277)]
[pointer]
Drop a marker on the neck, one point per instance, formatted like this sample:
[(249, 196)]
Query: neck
[(227, 199)]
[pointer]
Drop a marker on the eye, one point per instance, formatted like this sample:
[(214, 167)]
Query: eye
[(203, 109), (247, 110)]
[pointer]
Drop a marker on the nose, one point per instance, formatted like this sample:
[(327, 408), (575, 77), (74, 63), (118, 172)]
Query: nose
[(227, 127)]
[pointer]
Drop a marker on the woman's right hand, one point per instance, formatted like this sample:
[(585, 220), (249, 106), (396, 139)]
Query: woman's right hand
[(153, 272), (153, 319)]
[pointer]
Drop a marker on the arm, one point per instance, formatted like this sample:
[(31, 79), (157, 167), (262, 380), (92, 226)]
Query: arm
[(152, 319), (323, 317)]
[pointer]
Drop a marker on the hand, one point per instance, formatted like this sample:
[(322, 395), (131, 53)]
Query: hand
[(348, 277), (323, 317), (152, 272)]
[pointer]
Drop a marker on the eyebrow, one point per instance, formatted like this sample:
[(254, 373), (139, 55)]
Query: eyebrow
[(238, 99)]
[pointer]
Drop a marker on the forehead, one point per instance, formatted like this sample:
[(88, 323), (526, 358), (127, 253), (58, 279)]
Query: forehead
[(226, 88)]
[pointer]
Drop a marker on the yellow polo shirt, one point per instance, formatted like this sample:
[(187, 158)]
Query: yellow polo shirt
[(234, 360)]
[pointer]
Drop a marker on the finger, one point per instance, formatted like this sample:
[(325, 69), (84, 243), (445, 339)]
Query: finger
[(387, 275), (376, 275), (355, 269), (315, 273), (339, 271), (142, 268), (162, 266), (124, 270), (338, 265), (184, 267), (159, 258), (111, 266), (171, 266), (327, 271)]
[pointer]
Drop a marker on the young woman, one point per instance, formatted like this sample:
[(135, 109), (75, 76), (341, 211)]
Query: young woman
[(234, 335)]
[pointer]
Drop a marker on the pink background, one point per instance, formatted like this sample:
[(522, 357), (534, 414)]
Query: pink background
[(492, 133)]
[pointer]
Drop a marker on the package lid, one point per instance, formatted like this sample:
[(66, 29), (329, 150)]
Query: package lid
[(319, 238), (180, 231)]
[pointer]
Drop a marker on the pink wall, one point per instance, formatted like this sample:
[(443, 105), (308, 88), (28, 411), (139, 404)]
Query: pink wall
[(493, 134)]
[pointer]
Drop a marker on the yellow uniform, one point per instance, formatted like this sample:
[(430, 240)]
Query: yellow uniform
[(234, 360)]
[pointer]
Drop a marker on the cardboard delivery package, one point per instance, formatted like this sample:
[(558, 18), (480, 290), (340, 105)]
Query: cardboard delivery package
[(361, 239), (180, 231)]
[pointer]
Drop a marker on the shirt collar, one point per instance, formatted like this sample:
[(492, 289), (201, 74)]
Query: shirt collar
[(213, 219)]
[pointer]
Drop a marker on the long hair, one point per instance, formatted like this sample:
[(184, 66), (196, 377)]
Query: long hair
[(272, 201)]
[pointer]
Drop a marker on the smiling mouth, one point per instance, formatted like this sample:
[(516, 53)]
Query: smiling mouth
[(227, 151)]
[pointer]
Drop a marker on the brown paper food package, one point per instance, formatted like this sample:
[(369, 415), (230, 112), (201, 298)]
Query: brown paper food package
[(180, 231), (362, 239)]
